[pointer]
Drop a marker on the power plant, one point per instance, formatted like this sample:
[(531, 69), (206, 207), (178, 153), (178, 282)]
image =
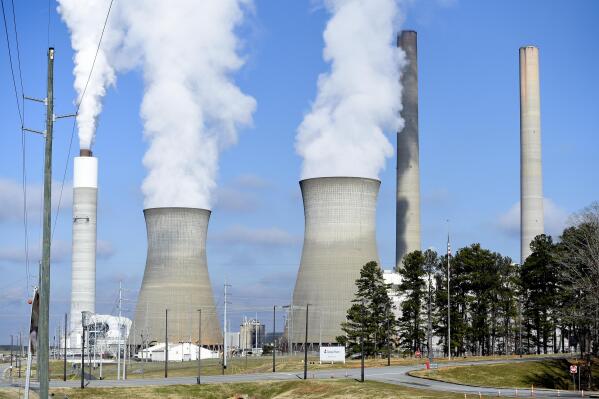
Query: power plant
[(408, 165), (83, 278), (176, 280), (339, 239), (531, 173)]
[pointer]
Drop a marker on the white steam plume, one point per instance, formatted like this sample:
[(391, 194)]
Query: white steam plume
[(85, 20), (359, 99), (191, 107)]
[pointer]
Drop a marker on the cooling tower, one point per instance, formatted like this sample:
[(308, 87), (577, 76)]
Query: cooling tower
[(531, 175), (339, 239), (408, 165), (176, 278), (83, 277)]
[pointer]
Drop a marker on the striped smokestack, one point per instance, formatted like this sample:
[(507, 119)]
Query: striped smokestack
[(408, 164)]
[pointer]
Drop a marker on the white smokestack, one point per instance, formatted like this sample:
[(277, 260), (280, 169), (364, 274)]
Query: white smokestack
[(85, 21), (357, 101), (83, 277)]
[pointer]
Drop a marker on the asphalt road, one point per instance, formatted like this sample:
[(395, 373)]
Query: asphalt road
[(393, 375)]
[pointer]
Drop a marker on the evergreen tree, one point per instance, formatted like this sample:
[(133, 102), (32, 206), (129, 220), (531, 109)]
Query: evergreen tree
[(371, 315), (412, 289), (539, 279)]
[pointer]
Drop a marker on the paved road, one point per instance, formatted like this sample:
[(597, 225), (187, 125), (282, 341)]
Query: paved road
[(393, 375)]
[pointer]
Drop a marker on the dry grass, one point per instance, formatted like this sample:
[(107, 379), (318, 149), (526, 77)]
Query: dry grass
[(259, 390)]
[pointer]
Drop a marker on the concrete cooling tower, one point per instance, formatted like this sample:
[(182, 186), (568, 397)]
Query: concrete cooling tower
[(176, 278), (83, 276), (339, 239)]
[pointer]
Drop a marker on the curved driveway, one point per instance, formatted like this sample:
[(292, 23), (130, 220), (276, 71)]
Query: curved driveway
[(397, 375)]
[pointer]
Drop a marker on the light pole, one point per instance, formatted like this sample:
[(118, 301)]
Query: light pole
[(362, 343), (274, 349), (306, 345), (199, 346)]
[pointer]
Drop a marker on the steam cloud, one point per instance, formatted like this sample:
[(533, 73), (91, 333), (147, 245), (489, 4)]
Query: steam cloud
[(343, 134), (85, 22), (191, 108)]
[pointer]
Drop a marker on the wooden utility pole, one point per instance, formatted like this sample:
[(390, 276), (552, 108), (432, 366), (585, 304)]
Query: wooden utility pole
[(44, 275)]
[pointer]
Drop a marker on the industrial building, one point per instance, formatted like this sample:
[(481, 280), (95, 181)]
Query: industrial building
[(176, 283), (251, 335), (83, 274), (339, 239), (531, 172), (180, 352)]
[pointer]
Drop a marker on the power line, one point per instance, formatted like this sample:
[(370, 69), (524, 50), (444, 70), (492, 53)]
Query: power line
[(12, 72), (66, 166), (22, 120)]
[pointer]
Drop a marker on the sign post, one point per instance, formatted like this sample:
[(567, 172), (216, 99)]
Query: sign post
[(331, 354), (574, 371)]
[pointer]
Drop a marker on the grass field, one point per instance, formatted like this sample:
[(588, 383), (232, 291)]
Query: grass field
[(553, 374), (237, 365), (260, 390)]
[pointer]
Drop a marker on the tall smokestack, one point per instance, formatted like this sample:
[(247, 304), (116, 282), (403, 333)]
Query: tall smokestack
[(408, 165), (176, 278), (83, 278), (339, 239), (531, 174)]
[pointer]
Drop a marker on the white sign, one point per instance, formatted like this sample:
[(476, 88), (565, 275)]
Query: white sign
[(573, 369), (332, 354)]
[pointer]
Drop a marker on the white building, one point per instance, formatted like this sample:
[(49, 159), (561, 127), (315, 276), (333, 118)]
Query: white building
[(176, 352), (393, 278)]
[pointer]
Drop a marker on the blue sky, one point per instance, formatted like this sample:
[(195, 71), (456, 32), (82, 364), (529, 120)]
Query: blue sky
[(469, 146)]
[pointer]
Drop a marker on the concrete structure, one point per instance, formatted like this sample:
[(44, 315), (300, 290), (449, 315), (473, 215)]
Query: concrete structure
[(176, 278), (251, 334), (339, 239), (531, 175), (83, 272), (408, 164), (179, 352)]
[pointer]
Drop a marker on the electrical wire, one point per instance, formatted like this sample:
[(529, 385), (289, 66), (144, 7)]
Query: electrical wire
[(21, 112), (66, 166)]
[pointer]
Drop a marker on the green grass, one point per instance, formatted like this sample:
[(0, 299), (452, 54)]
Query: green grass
[(552, 374), (260, 390)]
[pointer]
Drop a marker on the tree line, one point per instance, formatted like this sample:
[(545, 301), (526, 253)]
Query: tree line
[(549, 304)]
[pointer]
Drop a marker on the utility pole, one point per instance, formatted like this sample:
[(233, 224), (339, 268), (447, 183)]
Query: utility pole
[(165, 343), (118, 353), (362, 343), (44, 275), (274, 349), (83, 350), (64, 362), (388, 340), (306, 345), (225, 330), (11, 356), (430, 323), (199, 346), (448, 299)]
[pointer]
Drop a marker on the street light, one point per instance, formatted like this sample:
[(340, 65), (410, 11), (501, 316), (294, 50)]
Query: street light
[(199, 346)]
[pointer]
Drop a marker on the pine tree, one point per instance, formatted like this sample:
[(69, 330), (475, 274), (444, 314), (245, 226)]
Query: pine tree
[(412, 288), (371, 315)]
